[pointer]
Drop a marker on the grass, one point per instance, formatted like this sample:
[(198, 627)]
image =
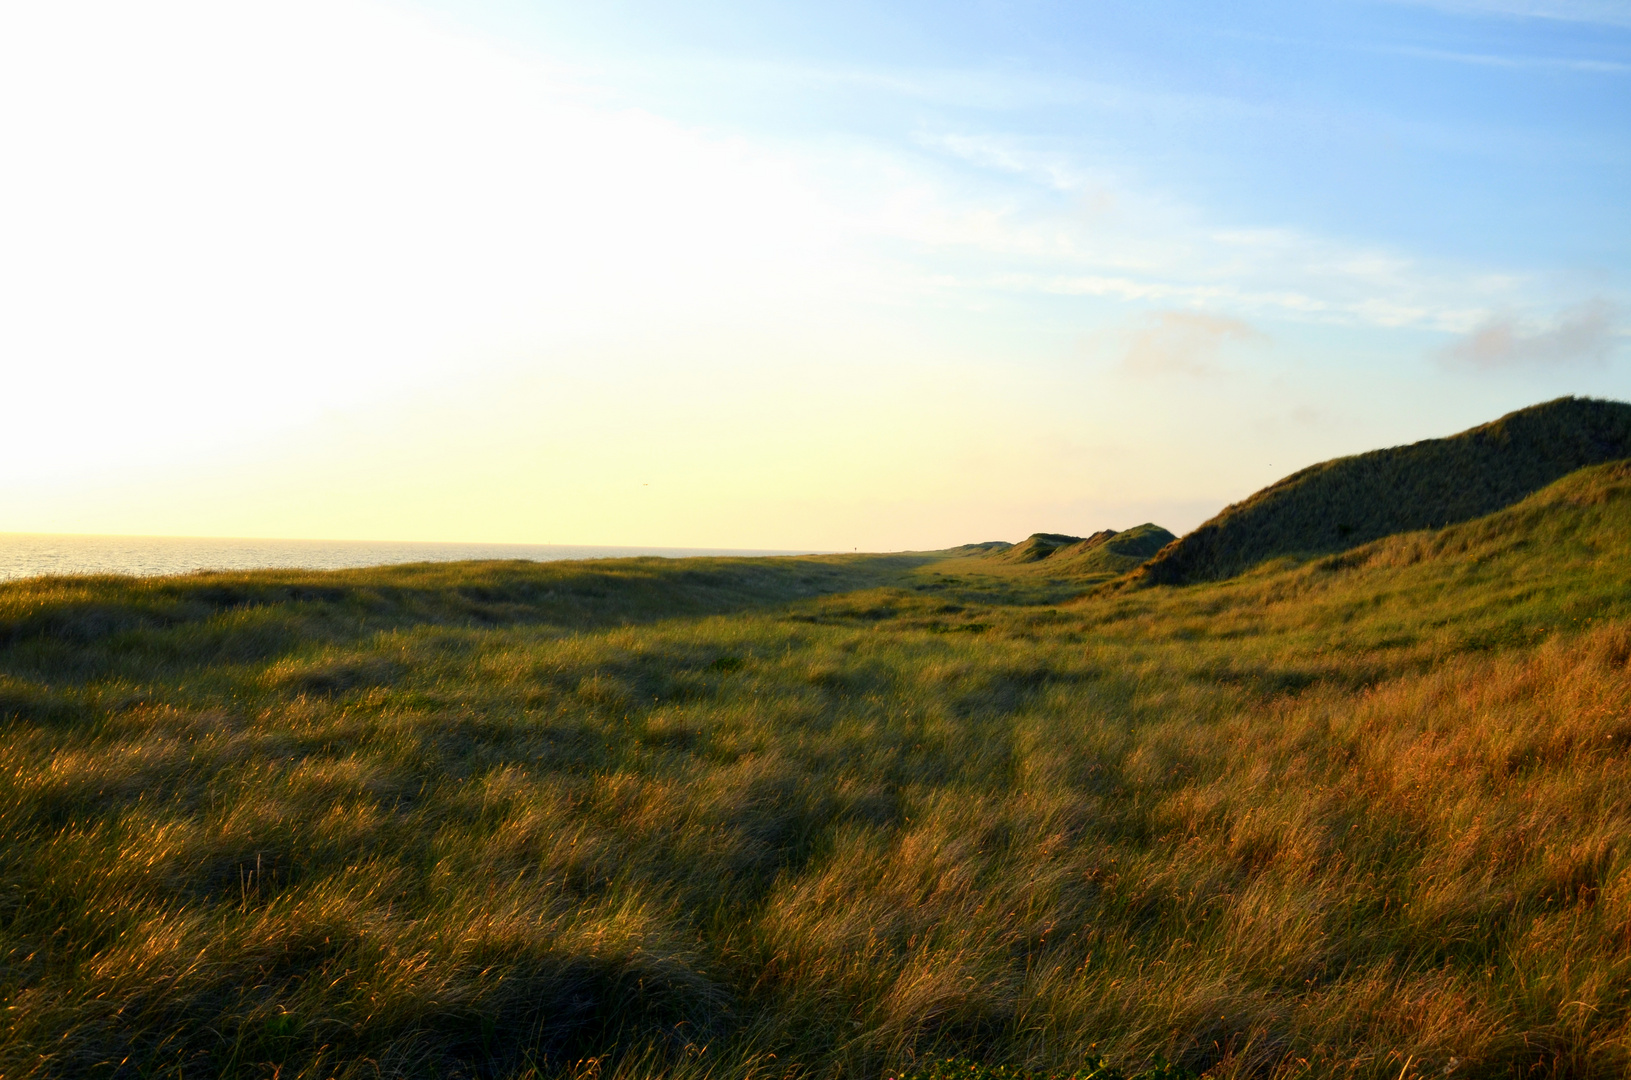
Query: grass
[(1364, 815)]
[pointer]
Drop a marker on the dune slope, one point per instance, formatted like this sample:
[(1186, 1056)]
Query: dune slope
[(1341, 504)]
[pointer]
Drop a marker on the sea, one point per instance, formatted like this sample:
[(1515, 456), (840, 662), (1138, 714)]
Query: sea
[(24, 555)]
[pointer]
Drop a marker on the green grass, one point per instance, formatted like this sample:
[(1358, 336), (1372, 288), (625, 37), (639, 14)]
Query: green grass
[(1365, 815), (1340, 504)]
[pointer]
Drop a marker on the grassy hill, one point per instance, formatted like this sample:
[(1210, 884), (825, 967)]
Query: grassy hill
[(1365, 816), (1039, 546), (1105, 554), (1111, 552), (1349, 501)]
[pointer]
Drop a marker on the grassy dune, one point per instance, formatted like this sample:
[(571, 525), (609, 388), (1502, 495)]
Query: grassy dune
[(1362, 816), (1100, 557), (1340, 504)]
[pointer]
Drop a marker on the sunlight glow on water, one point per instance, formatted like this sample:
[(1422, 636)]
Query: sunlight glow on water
[(29, 555)]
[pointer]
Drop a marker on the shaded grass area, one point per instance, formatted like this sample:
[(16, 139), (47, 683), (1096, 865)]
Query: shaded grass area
[(93, 625), (1360, 816)]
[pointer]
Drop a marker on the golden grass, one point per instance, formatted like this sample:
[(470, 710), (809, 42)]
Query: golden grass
[(1362, 817)]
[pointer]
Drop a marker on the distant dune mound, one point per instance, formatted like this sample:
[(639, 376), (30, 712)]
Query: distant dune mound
[(987, 547), (1039, 546), (1112, 552), (1340, 504), (1105, 553)]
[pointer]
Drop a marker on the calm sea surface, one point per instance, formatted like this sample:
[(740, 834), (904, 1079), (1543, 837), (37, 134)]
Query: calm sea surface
[(28, 554)]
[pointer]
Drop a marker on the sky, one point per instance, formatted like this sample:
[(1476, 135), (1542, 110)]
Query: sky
[(815, 276)]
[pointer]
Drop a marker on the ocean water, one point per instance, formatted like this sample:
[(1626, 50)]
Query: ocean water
[(30, 555)]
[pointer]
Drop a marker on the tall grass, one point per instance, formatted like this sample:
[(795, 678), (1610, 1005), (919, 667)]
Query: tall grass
[(1368, 816)]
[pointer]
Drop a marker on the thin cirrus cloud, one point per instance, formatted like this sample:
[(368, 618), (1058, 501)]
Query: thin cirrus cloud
[(1581, 335), (1059, 226), (1608, 12), (1184, 343), (1557, 63)]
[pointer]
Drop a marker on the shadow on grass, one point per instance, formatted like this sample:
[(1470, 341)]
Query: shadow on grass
[(77, 628)]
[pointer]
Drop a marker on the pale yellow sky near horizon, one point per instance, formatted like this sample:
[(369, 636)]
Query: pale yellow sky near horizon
[(339, 270)]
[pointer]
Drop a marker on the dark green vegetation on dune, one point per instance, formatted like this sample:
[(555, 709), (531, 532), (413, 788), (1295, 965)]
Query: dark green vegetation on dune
[(1340, 504), (1364, 816)]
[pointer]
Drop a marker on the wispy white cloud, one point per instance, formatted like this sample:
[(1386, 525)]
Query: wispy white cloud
[(1585, 334), (1553, 63), (1050, 225), (1183, 343), (982, 208), (1607, 12), (985, 87), (1053, 170)]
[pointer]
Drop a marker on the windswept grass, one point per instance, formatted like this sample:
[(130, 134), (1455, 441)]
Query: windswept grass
[(1365, 816)]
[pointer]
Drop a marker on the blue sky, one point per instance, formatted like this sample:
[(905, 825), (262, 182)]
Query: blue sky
[(1460, 131), (828, 275)]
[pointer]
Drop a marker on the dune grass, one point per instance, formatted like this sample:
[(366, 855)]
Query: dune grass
[(1361, 816)]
